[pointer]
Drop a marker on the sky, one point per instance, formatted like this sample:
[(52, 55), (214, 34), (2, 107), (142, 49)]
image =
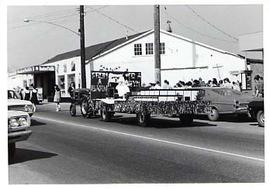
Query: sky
[(35, 42)]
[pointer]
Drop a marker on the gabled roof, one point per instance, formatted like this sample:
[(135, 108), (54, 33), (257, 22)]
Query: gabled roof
[(101, 49), (199, 43), (94, 50), (169, 34)]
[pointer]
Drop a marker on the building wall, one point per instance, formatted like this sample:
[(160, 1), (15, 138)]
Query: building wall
[(19, 80), (64, 74), (182, 61), (124, 58), (193, 61)]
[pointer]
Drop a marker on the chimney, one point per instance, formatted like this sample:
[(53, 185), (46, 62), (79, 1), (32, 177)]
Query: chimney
[(169, 29)]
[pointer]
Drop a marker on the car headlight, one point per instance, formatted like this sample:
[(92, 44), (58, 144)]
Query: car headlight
[(23, 121), (17, 122), (13, 122), (28, 108)]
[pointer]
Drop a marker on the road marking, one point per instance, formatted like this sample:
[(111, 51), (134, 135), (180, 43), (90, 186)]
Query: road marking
[(151, 139)]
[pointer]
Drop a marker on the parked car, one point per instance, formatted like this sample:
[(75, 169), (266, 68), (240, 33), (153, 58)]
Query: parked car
[(15, 103), (225, 101), (256, 110), (18, 129)]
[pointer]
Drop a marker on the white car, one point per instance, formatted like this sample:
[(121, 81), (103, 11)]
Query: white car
[(18, 129), (15, 103)]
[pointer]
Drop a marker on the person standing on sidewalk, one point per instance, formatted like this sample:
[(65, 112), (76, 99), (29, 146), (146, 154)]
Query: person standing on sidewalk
[(71, 89), (57, 97), (33, 96), (27, 93), (259, 88)]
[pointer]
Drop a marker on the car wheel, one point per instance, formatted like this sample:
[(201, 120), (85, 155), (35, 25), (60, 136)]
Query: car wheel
[(143, 119), (186, 119), (106, 116), (213, 115), (72, 110), (11, 150), (260, 118), (84, 108)]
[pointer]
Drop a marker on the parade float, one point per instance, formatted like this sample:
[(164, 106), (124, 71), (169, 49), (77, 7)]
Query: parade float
[(114, 92)]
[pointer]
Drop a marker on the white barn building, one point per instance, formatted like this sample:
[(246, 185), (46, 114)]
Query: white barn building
[(181, 59)]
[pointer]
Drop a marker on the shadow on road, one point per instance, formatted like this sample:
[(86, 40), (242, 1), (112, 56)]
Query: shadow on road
[(161, 123), (36, 123), (255, 124), (230, 118), (23, 155)]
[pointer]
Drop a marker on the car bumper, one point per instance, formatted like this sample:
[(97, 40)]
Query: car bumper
[(243, 110), (18, 136)]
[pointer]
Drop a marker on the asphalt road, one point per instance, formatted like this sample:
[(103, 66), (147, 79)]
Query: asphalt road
[(65, 149)]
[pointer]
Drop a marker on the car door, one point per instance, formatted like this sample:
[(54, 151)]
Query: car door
[(223, 100)]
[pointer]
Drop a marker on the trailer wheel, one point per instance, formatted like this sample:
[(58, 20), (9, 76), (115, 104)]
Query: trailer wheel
[(72, 109), (84, 108), (260, 118), (106, 116), (11, 150), (143, 119), (213, 114), (186, 119)]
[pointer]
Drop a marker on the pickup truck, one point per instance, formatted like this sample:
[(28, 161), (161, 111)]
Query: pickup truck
[(18, 129), (256, 111)]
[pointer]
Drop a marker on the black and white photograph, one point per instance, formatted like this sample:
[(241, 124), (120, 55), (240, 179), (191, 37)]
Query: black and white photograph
[(114, 92)]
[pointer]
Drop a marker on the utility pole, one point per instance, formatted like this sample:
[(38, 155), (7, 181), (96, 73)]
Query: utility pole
[(82, 39), (157, 43)]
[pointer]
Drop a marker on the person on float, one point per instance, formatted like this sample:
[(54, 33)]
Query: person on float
[(227, 83), (166, 85), (122, 88)]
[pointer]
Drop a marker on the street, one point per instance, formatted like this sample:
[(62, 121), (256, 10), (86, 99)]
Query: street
[(75, 150)]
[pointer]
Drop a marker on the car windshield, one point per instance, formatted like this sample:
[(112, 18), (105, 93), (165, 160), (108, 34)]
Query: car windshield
[(227, 92), (12, 95)]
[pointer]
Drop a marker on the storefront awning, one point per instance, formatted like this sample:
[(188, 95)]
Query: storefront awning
[(36, 69)]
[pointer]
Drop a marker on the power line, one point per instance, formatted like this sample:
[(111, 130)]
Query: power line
[(50, 14), (193, 30), (30, 24), (54, 19), (94, 10), (212, 25), (114, 20), (42, 16)]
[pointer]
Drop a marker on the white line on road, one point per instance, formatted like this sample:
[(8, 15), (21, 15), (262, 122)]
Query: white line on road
[(150, 138)]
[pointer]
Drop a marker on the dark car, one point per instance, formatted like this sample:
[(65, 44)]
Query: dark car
[(225, 101), (256, 110)]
